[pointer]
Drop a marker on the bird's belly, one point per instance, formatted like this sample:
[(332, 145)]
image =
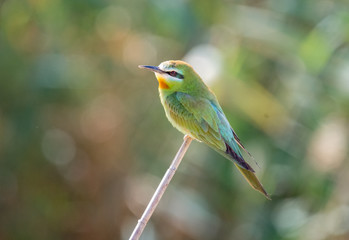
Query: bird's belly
[(177, 121)]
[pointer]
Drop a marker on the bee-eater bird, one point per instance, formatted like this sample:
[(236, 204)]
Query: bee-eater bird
[(193, 109)]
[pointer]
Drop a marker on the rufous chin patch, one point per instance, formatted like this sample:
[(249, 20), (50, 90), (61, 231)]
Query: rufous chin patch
[(162, 82)]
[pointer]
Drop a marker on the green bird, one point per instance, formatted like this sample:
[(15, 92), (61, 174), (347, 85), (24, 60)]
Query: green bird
[(193, 109)]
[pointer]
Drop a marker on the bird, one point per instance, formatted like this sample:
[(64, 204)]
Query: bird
[(193, 109)]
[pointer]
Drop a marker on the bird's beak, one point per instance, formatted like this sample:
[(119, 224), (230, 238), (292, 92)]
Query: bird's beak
[(152, 68)]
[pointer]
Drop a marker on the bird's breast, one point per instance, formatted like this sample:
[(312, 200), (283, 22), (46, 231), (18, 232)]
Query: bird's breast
[(176, 113)]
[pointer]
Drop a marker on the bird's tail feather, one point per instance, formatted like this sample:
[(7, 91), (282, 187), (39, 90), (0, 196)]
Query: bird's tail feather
[(237, 158), (252, 179)]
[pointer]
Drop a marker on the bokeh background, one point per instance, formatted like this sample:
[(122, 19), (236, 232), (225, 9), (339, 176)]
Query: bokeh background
[(84, 140)]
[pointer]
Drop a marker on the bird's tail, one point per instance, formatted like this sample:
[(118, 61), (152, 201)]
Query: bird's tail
[(252, 179)]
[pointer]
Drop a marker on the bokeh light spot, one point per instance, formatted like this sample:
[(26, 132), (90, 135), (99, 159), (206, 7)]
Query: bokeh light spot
[(328, 147), (58, 147), (206, 60), (289, 216)]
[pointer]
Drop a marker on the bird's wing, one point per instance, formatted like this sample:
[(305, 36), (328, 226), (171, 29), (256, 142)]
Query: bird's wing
[(228, 135), (219, 132), (199, 119)]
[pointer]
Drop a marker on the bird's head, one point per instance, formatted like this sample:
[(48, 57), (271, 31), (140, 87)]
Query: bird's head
[(175, 75)]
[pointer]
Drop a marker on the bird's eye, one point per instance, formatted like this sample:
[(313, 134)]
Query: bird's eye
[(173, 73)]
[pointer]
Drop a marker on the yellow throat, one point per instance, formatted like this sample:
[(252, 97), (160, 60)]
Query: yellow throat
[(162, 82)]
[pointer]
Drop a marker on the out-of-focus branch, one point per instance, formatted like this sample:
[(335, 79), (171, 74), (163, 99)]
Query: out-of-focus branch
[(142, 222)]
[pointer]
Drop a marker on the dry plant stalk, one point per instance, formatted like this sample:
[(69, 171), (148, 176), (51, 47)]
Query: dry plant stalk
[(142, 222)]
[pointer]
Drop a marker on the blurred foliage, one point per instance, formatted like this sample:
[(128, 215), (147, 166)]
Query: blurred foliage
[(84, 140)]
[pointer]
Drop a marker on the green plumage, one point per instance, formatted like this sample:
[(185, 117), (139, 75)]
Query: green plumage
[(202, 120), (193, 109)]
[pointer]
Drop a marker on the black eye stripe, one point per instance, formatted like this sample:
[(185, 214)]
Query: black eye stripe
[(180, 76), (175, 74)]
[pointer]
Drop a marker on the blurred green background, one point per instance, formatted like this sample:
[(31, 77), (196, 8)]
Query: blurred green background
[(84, 140)]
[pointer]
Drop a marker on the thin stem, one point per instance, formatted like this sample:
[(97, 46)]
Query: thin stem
[(142, 222)]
